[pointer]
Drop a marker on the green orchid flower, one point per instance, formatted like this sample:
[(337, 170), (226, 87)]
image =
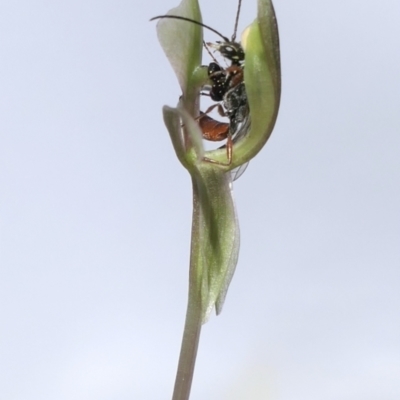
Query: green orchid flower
[(215, 229)]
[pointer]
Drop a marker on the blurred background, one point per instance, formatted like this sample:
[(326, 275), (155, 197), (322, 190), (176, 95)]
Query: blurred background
[(95, 210)]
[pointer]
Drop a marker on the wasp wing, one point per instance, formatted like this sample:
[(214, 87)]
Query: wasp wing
[(237, 172)]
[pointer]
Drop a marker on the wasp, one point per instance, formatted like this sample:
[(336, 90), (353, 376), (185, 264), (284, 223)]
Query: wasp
[(227, 89)]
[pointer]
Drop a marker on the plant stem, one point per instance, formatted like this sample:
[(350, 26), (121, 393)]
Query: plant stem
[(187, 357), (193, 322)]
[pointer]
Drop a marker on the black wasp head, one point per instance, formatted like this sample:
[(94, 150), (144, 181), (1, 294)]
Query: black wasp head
[(232, 51)]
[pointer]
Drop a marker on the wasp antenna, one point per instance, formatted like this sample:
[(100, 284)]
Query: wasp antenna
[(236, 21), (194, 22), (209, 52)]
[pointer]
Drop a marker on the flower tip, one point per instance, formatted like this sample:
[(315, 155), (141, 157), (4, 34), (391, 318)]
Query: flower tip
[(244, 37)]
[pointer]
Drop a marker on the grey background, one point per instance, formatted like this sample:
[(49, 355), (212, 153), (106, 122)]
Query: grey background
[(95, 210)]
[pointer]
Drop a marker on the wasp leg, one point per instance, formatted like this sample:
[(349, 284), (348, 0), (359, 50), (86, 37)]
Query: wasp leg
[(209, 52), (220, 110), (229, 144), (209, 109)]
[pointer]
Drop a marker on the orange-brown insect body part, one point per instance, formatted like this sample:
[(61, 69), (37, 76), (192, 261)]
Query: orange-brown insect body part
[(212, 129)]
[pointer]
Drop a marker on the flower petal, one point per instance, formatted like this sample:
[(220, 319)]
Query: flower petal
[(182, 41)]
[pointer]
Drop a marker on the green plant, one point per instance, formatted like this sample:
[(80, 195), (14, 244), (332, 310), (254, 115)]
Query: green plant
[(215, 229)]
